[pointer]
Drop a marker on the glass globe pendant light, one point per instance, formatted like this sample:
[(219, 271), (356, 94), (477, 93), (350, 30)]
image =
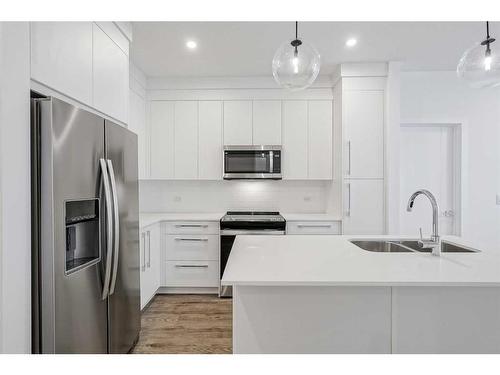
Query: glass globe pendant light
[(480, 64), (296, 64)]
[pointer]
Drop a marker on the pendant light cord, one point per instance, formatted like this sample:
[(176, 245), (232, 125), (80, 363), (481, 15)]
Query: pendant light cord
[(487, 30), (296, 42)]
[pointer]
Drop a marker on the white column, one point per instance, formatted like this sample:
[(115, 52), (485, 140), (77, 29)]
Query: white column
[(15, 234), (392, 129)]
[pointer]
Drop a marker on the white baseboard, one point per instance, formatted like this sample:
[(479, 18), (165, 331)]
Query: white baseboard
[(187, 290)]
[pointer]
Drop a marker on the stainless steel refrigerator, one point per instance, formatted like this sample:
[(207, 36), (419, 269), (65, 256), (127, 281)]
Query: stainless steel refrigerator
[(85, 232)]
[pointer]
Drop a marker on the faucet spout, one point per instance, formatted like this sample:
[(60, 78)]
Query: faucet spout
[(435, 213)]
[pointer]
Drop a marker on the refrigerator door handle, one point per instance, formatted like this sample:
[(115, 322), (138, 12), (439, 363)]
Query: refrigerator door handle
[(109, 225), (116, 228)]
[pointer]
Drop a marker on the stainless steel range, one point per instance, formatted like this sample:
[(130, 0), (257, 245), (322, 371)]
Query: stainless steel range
[(236, 223)]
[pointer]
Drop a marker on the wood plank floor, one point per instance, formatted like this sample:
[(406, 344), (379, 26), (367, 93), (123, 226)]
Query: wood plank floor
[(188, 324)]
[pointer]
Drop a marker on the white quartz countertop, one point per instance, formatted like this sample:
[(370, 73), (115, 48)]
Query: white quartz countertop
[(309, 217), (332, 260), (146, 219)]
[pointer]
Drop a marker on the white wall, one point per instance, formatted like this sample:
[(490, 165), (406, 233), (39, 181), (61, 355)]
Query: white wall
[(441, 97), (15, 241), (220, 196)]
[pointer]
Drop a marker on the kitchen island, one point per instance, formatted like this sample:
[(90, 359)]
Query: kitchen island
[(323, 294)]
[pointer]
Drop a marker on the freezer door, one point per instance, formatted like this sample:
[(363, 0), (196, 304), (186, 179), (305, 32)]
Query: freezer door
[(124, 299), (72, 314)]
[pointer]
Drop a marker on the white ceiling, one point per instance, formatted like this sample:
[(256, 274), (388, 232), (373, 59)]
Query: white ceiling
[(247, 48)]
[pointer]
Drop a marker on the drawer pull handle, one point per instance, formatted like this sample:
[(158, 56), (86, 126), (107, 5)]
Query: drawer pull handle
[(314, 226), (191, 266), (191, 226), (191, 239)]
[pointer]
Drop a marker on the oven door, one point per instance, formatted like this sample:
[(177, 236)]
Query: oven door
[(252, 162)]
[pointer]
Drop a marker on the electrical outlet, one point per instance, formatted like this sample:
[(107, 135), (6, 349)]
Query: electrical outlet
[(177, 198), (307, 198), (498, 199)]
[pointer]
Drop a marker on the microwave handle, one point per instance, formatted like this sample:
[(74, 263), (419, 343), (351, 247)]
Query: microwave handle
[(271, 161)]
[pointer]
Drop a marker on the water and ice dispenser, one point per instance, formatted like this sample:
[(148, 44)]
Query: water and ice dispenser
[(82, 234)]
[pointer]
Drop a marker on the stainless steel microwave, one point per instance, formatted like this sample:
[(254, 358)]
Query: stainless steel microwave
[(252, 162)]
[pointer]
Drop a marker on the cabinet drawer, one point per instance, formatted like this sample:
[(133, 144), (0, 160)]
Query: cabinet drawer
[(192, 227), (313, 227), (192, 247), (192, 273)]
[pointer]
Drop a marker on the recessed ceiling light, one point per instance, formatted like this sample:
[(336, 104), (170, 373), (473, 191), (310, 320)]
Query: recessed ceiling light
[(191, 44), (351, 42)]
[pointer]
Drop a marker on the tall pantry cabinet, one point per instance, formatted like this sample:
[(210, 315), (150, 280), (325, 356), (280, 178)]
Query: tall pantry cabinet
[(359, 107)]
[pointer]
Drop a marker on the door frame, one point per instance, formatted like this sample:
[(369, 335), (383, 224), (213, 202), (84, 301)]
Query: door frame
[(459, 129)]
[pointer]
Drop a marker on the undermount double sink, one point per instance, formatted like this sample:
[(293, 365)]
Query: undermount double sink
[(407, 246)]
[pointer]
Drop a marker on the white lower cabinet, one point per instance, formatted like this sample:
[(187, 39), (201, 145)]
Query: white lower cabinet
[(313, 227), (191, 254), (192, 247), (364, 207), (193, 273), (150, 245)]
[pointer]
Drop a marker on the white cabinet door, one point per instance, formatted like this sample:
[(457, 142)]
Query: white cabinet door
[(294, 136), (162, 139), (238, 122), (150, 262), (364, 129), (154, 258), (110, 76), (210, 140), (267, 122), (145, 275), (186, 140), (61, 57), (320, 140), (364, 207), (137, 124)]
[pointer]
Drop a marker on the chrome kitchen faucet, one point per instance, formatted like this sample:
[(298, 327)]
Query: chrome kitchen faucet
[(433, 242)]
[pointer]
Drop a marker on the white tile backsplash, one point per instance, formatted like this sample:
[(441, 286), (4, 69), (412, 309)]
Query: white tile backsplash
[(217, 196)]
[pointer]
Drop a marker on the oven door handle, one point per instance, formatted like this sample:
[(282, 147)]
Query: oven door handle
[(236, 232)]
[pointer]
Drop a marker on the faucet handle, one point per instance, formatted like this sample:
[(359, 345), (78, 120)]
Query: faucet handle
[(421, 236)]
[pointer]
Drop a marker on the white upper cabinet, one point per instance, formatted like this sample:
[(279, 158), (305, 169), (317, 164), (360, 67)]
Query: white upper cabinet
[(238, 122), (363, 116), (210, 140), (294, 139), (61, 57), (364, 207), (79, 60), (110, 76), (320, 129), (162, 139), (267, 122), (187, 137), (307, 139), (137, 124), (186, 140)]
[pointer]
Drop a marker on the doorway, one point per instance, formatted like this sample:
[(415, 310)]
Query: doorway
[(431, 158)]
